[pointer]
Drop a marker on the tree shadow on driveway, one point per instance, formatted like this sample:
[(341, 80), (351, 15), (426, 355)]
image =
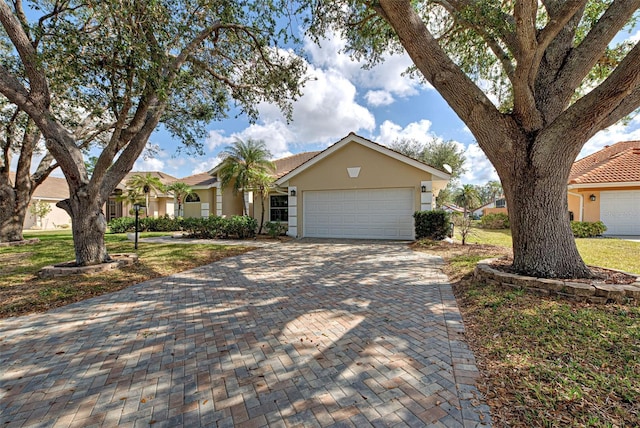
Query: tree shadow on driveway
[(309, 333)]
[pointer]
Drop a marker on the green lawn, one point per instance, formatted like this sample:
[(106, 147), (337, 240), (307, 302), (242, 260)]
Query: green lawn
[(604, 252), (22, 292)]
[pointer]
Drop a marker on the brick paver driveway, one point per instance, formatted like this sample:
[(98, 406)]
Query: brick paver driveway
[(309, 333)]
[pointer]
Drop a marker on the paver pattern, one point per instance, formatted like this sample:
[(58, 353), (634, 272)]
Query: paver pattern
[(307, 333)]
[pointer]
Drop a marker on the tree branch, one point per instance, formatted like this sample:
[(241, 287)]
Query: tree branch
[(582, 59), (609, 102)]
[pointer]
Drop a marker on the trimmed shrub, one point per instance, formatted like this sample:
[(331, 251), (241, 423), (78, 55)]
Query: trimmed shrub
[(495, 221), (122, 225), (275, 228), (432, 224), (586, 229)]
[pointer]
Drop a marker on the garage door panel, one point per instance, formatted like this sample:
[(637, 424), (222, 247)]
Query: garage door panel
[(370, 213), (619, 212)]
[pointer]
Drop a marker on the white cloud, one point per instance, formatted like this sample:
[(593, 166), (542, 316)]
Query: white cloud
[(479, 168), (420, 131), (612, 135), (379, 98), (326, 111), (387, 76), (635, 37), (206, 165), (148, 164)]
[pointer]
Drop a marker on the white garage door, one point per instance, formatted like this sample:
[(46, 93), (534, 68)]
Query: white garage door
[(362, 213), (620, 212)]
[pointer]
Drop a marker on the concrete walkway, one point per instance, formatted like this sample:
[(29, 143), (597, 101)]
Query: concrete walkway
[(307, 333)]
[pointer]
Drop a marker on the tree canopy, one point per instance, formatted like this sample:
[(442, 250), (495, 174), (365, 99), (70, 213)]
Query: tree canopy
[(128, 66)]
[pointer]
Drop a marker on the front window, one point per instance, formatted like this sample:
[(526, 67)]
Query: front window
[(501, 203), (279, 208), (192, 197)]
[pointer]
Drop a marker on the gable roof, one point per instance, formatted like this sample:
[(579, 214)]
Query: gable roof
[(52, 188), (200, 180), (163, 177), (352, 137), (618, 163), (288, 164)]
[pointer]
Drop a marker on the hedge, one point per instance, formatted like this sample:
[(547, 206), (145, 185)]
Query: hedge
[(432, 224), (240, 227), (495, 221), (586, 229)]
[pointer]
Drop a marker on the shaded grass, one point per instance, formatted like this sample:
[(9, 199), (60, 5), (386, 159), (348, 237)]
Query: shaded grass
[(548, 362), (22, 292)]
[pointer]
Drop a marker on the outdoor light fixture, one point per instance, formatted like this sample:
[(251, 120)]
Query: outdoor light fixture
[(424, 189), (592, 198), (136, 208), (293, 192)]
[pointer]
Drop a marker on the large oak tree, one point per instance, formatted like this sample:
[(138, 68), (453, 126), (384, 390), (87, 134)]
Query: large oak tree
[(179, 63), (557, 74)]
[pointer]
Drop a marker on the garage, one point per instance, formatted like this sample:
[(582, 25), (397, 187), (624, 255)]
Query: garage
[(359, 213), (619, 211)]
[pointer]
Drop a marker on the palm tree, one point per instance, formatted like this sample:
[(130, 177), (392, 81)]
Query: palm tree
[(145, 184), (180, 191), (261, 184), (244, 164), (467, 197)]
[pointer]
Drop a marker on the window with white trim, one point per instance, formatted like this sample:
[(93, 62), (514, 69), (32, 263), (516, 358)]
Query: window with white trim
[(278, 208)]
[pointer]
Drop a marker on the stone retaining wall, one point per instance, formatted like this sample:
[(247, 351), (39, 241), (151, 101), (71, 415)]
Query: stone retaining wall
[(119, 260), (594, 292)]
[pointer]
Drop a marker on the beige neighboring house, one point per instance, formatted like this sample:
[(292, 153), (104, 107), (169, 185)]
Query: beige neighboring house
[(159, 205), (51, 191), (605, 186), (356, 188), (499, 206)]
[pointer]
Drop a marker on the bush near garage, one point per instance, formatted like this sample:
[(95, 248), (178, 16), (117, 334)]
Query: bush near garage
[(495, 221), (433, 225), (586, 229)]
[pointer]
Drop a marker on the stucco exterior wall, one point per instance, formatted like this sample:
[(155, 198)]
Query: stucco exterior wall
[(377, 171), (56, 218), (231, 204), (195, 209)]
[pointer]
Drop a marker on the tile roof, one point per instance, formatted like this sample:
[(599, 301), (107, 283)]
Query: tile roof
[(54, 188), (288, 164), (197, 180), (617, 163), (163, 177)]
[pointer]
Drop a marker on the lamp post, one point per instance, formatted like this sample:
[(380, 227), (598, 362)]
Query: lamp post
[(136, 208)]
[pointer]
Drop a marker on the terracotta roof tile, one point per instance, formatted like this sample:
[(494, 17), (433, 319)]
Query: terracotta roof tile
[(613, 164)]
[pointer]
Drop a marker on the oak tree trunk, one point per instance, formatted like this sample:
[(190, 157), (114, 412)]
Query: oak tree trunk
[(88, 224), (535, 186), (12, 215)]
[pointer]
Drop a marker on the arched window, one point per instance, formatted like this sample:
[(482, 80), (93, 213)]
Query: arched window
[(192, 197)]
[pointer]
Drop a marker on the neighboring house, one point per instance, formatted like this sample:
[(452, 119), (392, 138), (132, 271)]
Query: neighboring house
[(605, 186), (202, 202), (356, 188), (452, 209), (159, 205), (51, 191), (494, 207)]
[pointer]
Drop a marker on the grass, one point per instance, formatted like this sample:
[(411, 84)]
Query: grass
[(22, 292), (605, 252), (548, 362)]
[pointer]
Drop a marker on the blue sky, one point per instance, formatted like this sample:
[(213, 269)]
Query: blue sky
[(379, 104)]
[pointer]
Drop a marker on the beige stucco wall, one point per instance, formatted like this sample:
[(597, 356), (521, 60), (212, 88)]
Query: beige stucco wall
[(377, 171), (591, 208), (231, 204), (194, 209), (55, 219)]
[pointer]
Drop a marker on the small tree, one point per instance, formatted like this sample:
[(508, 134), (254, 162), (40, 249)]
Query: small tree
[(467, 197), (245, 164), (145, 184), (40, 209), (463, 224), (180, 191)]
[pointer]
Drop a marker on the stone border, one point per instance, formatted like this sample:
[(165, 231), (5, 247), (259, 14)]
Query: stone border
[(17, 243), (594, 292), (118, 261)]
